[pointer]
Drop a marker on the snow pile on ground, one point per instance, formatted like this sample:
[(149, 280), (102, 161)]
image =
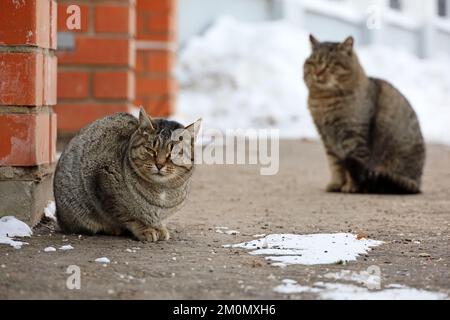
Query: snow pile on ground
[(243, 75), (312, 249), (50, 210), (342, 291), (10, 228)]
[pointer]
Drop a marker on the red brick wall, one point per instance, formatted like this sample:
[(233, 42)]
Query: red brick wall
[(123, 56), (96, 77), (156, 40), (27, 82)]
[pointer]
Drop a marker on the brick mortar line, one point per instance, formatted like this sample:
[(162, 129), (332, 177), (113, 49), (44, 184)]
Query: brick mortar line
[(8, 109), (101, 35), (158, 97), (92, 68), (91, 22), (27, 49), (155, 45), (94, 101)]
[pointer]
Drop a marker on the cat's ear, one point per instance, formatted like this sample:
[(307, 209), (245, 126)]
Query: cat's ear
[(347, 45), (314, 42), (145, 122), (194, 128)]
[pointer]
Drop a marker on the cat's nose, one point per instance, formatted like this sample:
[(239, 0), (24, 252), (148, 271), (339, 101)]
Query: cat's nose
[(159, 165)]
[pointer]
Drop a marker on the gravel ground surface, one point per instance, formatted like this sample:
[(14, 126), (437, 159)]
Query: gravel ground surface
[(194, 265)]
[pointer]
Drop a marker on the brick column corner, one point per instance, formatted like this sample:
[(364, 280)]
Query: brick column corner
[(155, 55), (27, 93)]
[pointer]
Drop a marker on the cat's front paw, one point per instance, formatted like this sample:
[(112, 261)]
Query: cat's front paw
[(334, 186), (350, 188), (164, 234), (153, 234)]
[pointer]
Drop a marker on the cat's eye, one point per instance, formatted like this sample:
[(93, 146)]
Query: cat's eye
[(338, 65), (150, 151)]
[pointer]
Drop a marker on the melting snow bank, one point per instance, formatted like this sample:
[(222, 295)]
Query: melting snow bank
[(10, 228), (249, 75), (340, 291), (288, 249)]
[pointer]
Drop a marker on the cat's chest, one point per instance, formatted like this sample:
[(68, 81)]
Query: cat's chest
[(329, 117), (162, 196), (165, 203), (166, 198)]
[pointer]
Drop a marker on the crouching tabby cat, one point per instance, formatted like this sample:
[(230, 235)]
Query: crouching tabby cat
[(123, 175), (370, 132)]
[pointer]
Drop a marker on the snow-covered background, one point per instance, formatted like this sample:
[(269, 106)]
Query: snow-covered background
[(250, 75)]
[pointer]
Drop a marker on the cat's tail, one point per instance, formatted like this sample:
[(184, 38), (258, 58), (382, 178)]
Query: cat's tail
[(383, 182), (376, 181)]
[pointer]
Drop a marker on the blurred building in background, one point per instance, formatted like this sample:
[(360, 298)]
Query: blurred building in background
[(419, 26), (196, 16)]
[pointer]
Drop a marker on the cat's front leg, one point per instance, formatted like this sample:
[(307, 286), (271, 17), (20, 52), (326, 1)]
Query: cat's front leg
[(350, 186), (357, 162), (337, 175), (148, 233)]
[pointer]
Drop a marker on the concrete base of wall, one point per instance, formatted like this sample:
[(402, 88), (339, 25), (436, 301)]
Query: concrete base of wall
[(25, 192)]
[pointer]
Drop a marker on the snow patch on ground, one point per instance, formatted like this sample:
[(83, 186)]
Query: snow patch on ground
[(250, 75), (259, 235), (66, 247), (312, 249), (50, 249), (371, 280), (103, 260), (227, 230), (50, 210), (10, 228), (289, 286), (340, 291)]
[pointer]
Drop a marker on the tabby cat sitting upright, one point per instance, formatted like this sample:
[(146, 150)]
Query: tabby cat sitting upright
[(119, 175), (370, 132)]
